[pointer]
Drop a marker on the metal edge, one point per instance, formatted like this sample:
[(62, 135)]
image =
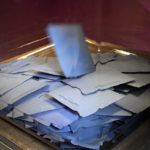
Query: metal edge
[(54, 147)]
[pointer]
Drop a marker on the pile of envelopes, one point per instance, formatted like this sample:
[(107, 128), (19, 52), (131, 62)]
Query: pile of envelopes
[(83, 111)]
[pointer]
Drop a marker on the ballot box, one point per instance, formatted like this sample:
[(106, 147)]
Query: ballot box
[(80, 113)]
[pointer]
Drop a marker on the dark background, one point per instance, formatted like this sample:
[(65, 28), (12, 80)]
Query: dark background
[(124, 22)]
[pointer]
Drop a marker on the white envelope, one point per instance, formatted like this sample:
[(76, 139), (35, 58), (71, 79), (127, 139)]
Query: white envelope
[(22, 90), (27, 118), (134, 103), (106, 57), (46, 68), (42, 75), (10, 81), (113, 110), (30, 61), (130, 63), (140, 80), (103, 78), (95, 57), (41, 102), (49, 65), (15, 113), (2, 104), (84, 105), (11, 66)]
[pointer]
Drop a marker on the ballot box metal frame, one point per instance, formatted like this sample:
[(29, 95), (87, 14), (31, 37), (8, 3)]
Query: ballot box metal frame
[(94, 47)]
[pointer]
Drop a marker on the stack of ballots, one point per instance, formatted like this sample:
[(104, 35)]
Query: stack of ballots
[(77, 100)]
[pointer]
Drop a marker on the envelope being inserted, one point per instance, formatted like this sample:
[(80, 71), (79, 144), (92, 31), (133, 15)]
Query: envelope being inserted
[(71, 49)]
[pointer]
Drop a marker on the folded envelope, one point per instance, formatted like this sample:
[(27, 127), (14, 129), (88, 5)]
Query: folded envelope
[(96, 136), (84, 105), (15, 113), (22, 90), (95, 58), (41, 103), (2, 104), (11, 66), (55, 85), (51, 129), (136, 104), (130, 63), (65, 129), (26, 118), (42, 64), (113, 110), (71, 49), (103, 78), (106, 57), (39, 99), (58, 118), (45, 68), (92, 121), (140, 80), (17, 65), (42, 75), (10, 81), (88, 137)]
